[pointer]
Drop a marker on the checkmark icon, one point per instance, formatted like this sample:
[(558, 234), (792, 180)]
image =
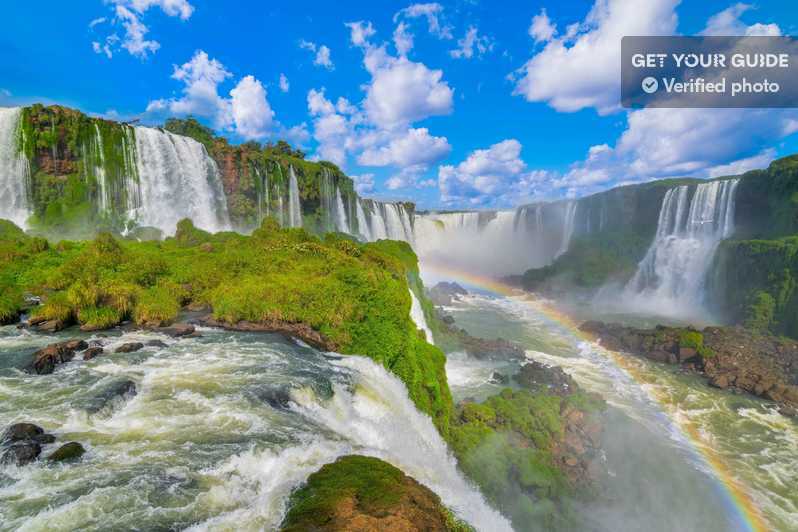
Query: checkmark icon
[(650, 85)]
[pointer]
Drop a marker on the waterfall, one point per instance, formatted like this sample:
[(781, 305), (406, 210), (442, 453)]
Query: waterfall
[(362, 221), (670, 279), (99, 171), (14, 170), (294, 205), (568, 227), (341, 223), (417, 315), (177, 179)]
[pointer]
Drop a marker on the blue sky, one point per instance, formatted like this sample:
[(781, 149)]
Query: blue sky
[(453, 104)]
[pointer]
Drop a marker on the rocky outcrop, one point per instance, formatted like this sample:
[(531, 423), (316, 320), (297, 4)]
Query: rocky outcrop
[(548, 379), (365, 494), (302, 331), (479, 348), (46, 359), (446, 293), (22, 443), (130, 347), (729, 357)]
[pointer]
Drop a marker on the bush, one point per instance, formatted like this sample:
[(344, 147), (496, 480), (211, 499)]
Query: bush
[(98, 318), (156, 307)]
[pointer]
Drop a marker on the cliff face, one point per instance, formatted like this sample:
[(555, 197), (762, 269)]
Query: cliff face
[(84, 175)]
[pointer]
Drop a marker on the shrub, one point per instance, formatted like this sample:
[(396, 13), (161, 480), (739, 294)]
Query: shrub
[(98, 318), (156, 307)]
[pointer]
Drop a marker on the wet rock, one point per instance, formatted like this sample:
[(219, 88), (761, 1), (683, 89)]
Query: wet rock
[(446, 293), (46, 359), (157, 343), (120, 389), (21, 453), (51, 326), (68, 451), (278, 398), (177, 330), (130, 347), (92, 352), (498, 378), (303, 331), (539, 377), (21, 432)]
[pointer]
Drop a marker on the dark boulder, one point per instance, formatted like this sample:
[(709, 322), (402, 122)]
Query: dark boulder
[(157, 343), (51, 326), (92, 352), (120, 389), (21, 453), (46, 359), (25, 431), (129, 347), (177, 330), (540, 377), (498, 378), (68, 451)]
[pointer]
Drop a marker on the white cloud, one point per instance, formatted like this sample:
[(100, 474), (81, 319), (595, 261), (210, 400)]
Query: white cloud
[(728, 22), (128, 14), (402, 39), (580, 69), (285, 86), (247, 111), (487, 176), (322, 54), (364, 183), (472, 40), (432, 12), (416, 147), (360, 32), (760, 160), (542, 29), (402, 91), (252, 114)]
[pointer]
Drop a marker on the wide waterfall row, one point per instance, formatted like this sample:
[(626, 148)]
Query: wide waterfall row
[(692, 222), (14, 170)]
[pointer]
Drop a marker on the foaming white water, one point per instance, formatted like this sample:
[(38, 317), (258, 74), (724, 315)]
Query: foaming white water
[(670, 280), (376, 415), (362, 222), (417, 315), (341, 222), (177, 179), (14, 170), (294, 204)]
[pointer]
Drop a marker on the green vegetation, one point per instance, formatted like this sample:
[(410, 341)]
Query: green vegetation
[(356, 295), (374, 489), (505, 445), (695, 340)]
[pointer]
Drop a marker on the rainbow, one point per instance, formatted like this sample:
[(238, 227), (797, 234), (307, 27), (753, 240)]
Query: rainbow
[(733, 492)]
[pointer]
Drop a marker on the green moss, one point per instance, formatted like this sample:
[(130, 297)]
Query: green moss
[(695, 340), (375, 486)]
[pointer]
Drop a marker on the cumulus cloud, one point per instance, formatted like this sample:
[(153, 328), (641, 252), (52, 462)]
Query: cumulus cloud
[(321, 54), (432, 12), (542, 29), (246, 111), (403, 91), (252, 114), (285, 86), (470, 43), (727, 22), (360, 32), (487, 176), (364, 183), (415, 147), (128, 14), (402, 39), (580, 68)]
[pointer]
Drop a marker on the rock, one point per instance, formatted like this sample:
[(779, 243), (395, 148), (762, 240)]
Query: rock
[(303, 331), (536, 377), (51, 326), (22, 431), (498, 378), (118, 389), (177, 330), (21, 453), (46, 359), (365, 494), (687, 353), (443, 294), (157, 343), (68, 451), (279, 398), (92, 352), (129, 347)]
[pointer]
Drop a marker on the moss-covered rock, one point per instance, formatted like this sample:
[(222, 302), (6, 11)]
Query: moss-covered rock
[(359, 494)]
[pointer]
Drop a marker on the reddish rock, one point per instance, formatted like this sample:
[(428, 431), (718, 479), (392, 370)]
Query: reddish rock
[(46, 359)]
